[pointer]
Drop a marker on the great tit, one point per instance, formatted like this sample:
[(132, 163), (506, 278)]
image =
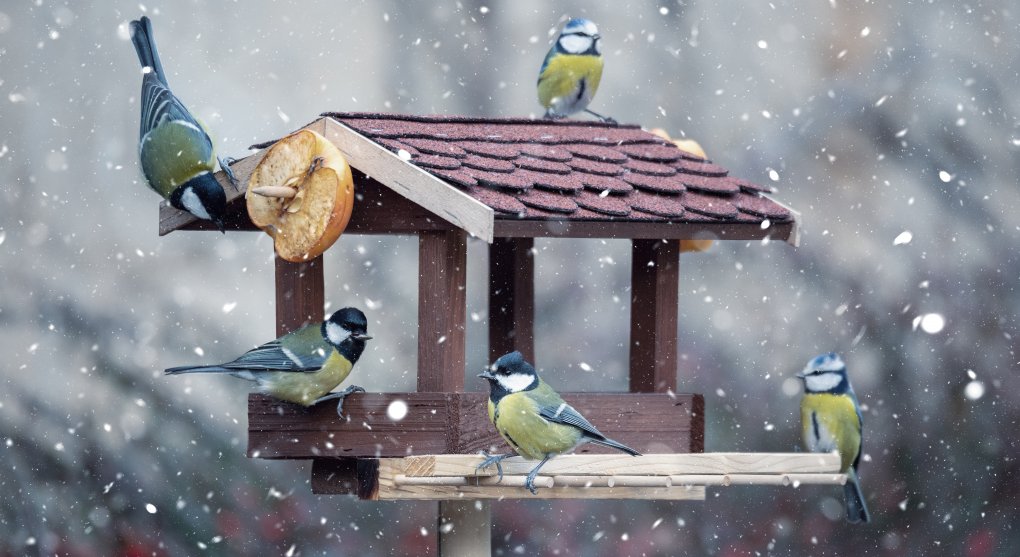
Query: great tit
[(305, 365), (571, 71), (532, 417), (176, 152), (831, 421)]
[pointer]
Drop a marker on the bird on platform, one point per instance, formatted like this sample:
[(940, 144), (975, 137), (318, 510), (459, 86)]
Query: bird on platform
[(303, 366), (532, 417), (571, 71), (175, 150), (831, 421)]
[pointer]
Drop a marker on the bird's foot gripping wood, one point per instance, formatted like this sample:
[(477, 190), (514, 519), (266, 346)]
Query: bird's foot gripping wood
[(605, 119), (497, 459), (530, 481), (225, 167), (339, 397)]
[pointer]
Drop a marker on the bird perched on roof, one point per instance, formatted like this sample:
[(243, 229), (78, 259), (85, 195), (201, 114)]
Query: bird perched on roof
[(532, 417), (571, 71), (177, 155), (305, 365), (831, 421)]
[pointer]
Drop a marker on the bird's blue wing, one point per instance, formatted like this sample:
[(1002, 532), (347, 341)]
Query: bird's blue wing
[(545, 63)]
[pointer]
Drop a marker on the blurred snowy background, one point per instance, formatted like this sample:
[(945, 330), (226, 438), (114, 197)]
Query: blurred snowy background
[(891, 127)]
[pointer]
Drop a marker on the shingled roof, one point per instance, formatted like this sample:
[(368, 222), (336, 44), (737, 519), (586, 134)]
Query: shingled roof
[(542, 169), (572, 172)]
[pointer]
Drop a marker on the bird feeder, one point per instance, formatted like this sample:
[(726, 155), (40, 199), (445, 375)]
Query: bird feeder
[(507, 182)]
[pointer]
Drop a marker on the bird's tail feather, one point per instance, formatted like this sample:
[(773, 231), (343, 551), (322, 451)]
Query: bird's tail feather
[(856, 510), (197, 369), (613, 444), (145, 46)]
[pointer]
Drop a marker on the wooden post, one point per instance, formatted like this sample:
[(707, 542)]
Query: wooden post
[(511, 297), (299, 294), (442, 310), (442, 307), (465, 528), (655, 282)]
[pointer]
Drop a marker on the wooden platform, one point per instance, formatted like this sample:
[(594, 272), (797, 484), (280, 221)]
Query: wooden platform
[(611, 476)]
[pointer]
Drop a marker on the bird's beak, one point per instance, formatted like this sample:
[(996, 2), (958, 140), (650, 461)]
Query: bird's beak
[(222, 226), (803, 374), (486, 374), (360, 336)]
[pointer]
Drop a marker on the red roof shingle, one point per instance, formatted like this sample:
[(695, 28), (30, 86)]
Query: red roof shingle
[(545, 169)]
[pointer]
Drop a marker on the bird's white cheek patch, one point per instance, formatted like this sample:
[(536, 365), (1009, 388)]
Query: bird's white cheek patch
[(823, 382), (335, 333), (193, 204), (515, 382), (575, 44)]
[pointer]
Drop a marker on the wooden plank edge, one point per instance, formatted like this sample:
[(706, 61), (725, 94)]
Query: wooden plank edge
[(612, 464), (512, 227), (408, 180)]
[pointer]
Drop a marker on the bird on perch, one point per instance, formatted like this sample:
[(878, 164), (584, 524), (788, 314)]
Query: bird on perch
[(831, 421), (532, 417), (175, 150), (571, 71), (305, 365)]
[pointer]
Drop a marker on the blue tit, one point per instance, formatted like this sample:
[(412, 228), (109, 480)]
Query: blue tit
[(831, 421), (305, 365), (176, 152), (532, 417), (571, 71)]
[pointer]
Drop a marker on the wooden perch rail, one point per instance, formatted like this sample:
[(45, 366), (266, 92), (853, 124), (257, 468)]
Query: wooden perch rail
[(610, 476)]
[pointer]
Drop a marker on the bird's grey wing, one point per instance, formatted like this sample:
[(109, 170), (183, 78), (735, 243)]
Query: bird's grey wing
[(272, 356), (565, 414), (159, 104)]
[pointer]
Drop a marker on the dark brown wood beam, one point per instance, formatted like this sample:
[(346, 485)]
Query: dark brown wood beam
[(550, 228), (655, 281), (511, 297), (455, 423), (442, 309), (299, 294)]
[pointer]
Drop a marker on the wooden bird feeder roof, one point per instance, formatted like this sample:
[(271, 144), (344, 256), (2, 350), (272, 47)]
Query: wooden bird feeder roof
[(513, 177)]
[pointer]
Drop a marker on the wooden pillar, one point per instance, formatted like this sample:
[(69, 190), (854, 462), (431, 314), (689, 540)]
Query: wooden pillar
[(511, 297), (442, 307), (442, 310), (465, 528), (299, 294), (655, 281)]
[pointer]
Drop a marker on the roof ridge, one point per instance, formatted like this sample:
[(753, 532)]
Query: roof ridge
[(457, 119)]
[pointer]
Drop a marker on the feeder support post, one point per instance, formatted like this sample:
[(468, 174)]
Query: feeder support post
[(655, 283)]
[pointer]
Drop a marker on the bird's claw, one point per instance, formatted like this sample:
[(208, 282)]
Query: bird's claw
[(225, 167), (529, 483), (493, 459), (339, 397)]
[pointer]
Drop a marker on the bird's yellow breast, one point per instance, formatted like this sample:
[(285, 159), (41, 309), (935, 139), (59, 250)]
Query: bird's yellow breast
[(563, 75), (173, 153), (829, 422), (524, 429), (306, 387)]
